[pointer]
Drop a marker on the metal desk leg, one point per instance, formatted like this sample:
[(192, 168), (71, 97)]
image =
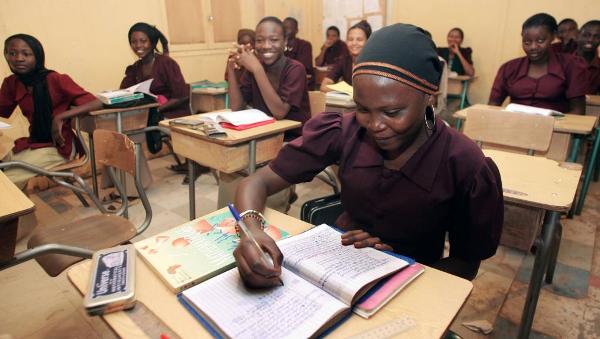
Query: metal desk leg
[(93, 165), (192, 187), (554, 253), (252, 157), (575, 148), (588, 172), (542, 256), (463, 95), (121, 173), (458, 124)]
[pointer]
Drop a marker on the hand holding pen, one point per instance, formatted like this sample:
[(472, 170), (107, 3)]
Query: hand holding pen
[(258, 257)]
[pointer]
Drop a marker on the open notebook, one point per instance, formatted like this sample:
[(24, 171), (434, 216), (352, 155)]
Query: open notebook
[(518, 108), (134, 92), (238, 120), (322, 280)]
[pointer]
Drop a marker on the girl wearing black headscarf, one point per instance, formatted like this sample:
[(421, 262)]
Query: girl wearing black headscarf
[(407, 179), (44, 97)]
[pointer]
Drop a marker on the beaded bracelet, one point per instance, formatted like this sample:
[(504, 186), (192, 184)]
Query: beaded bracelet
[(253, 214)]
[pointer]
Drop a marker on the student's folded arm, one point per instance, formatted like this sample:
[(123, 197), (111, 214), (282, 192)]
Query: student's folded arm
[(326, 81), (278, 107), (236, 100), (499, 91), (7, 102), (467, 66)]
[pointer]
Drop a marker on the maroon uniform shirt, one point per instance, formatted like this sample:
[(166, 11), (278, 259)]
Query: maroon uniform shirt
[(593, 69), (566, 79), (301, 50), (448, 185), (168, 81), (335, 52), (64, 92), (292, 89), (342, 69), (570, 47)]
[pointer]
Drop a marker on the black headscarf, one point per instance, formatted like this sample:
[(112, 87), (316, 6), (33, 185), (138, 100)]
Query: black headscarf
[(41, 126), (404, 53), (154, 35)]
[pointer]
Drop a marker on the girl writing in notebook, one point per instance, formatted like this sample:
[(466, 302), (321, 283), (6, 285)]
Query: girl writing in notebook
[(48, 100), (342, 70), (542, 78), (407, 179)]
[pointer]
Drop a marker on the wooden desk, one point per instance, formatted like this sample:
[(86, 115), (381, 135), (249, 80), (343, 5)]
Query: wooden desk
[(339, 107), (432, 300), (541, 183), (564, 127), (237, 151), (13, 204), (114, 119), (592, 108), (208, 99), (458, 87)]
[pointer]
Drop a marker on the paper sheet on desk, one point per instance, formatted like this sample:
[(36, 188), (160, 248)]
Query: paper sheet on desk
[(343, 87), (4, 125)]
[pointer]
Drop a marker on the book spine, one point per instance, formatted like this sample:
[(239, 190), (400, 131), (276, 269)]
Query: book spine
[(110, 101)]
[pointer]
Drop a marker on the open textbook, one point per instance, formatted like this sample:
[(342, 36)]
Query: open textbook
[(322, 280), (134, 92), (239, 120), (195, 251), (342, 94), (518, 108)]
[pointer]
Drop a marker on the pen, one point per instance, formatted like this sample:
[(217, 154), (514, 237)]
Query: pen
[(244, 229)]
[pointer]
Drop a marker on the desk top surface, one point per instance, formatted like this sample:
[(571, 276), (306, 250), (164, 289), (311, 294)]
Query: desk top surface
[(570, 123), (536, 181), (592, 100), (235, 137), (432, 300), (209, 90), (126, 109), (13, 202)]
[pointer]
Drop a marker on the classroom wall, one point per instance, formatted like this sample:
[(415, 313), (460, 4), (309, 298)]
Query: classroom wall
[(88, 38), (492, 28)]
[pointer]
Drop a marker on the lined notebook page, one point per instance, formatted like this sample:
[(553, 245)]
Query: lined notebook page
[(319, 256), (296, 310)]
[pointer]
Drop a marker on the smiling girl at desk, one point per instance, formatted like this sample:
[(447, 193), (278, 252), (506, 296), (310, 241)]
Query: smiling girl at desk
[(542, 78), (407, 179), (459, 59), (44, 97), (273, 83), (342, 70)]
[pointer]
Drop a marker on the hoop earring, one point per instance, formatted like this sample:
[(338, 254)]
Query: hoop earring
[(430, 115)]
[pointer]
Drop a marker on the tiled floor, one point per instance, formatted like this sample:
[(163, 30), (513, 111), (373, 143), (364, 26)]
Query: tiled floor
[(37, 306)]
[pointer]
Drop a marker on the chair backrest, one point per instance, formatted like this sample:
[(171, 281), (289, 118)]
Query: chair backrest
[(115, 150), (516, 130), (323, 210), (317, 102)]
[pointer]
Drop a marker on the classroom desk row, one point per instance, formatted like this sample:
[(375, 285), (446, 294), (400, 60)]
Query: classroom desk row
[(13, 205), (569, 131), (433, 300)]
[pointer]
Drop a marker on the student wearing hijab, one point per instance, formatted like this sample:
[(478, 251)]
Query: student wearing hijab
[(407, 179), (566, 33), (44, 97), (298, 49), (458, 58), (168, 82), (356, 38), (245, 37), (587, 48), (333, 49), (543, 78)]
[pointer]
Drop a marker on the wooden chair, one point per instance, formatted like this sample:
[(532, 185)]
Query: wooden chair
[(57, 247), (519, 133), (317, 105)]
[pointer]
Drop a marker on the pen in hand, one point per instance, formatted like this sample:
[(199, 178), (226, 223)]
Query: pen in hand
[(267, 260)]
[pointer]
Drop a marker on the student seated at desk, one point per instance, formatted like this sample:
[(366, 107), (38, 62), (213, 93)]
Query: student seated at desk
[(566, 33), (454, 51), (542, 78), (273, 83), (298, 49), (245, 37), (333, 48), (407, 179), (356, 38), (44, 97), (587, 48)]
